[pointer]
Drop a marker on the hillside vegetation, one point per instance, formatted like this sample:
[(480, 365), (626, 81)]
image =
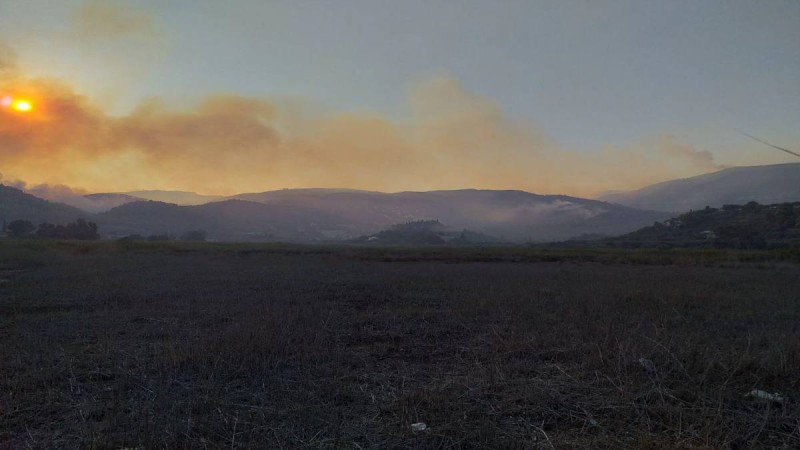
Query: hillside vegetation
[(749, 226)]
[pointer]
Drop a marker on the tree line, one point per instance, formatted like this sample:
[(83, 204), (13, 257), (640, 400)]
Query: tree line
[(191, 236), (80, 229)]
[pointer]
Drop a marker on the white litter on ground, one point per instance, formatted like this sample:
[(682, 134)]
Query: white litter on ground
[(419, 426), (764, 395)]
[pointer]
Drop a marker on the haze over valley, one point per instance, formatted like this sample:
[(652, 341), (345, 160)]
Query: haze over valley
[(340, 215)]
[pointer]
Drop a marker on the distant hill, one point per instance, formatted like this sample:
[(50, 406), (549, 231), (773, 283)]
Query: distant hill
[(103, 202), (16, 204), (734, 226), (176, 197), (233, 220), (506, 215), (306, 215), (737, 185), (147, 217)]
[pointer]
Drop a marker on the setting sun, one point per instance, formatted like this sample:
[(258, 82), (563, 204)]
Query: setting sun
[(22, 105), (19, 105)]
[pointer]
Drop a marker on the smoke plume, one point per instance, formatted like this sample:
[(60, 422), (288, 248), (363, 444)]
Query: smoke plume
[(228, 143)]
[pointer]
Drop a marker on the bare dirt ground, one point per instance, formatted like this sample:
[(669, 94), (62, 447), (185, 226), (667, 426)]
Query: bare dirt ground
[(106, 345)]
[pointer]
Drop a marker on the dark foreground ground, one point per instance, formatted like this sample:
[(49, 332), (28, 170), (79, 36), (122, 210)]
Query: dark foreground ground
[(109, 345)]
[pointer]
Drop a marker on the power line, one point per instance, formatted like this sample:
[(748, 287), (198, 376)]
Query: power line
[(767, 143)]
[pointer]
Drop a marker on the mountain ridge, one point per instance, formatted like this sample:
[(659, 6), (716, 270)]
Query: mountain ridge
[(340, 214), (767, 184), (17, 204), (314, 215), (748, 226), (507, 214)]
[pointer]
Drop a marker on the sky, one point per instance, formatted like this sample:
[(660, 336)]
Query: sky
[(573, 97)]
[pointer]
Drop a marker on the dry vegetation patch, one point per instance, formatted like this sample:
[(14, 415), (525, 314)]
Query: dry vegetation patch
[(108, 345)]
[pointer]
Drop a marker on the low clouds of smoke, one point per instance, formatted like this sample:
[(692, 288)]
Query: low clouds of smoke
[(228, 143), (701, 159), (56, 193), (68, 195)]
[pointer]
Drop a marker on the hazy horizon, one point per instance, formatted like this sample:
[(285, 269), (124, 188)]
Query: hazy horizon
[(574, 98), (56, 192)]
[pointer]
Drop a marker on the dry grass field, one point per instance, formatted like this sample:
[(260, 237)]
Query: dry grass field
[(110, 345)]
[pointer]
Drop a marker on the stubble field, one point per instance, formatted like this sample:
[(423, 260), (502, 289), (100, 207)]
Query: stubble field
[(110, 345)]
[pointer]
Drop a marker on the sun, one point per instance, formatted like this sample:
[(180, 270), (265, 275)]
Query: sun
[(17, 104), (22, 105)]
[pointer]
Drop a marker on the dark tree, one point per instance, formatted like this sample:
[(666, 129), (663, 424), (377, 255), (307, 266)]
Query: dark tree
[(80, 229), (20, 228)]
